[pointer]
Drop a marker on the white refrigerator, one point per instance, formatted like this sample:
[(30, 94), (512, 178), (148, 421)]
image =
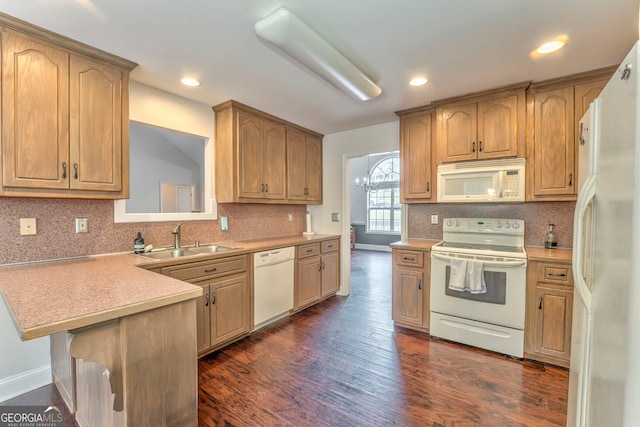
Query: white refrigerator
[(604, 380)]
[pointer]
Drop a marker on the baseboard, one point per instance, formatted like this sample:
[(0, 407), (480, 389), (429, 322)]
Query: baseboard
[(365, 246), (23, 382)]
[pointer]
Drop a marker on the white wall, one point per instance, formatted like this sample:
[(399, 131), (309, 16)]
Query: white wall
[(338, 148)]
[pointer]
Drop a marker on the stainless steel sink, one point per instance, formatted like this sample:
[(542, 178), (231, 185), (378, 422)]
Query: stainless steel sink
[(177, 253), (169, 253), (206, 249)]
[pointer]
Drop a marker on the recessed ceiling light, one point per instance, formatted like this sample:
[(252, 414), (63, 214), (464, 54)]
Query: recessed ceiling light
[(418, 81), (189, 81), (551, 46)]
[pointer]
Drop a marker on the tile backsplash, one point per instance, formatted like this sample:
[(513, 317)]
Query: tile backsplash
[(56, 237), (537, 216)]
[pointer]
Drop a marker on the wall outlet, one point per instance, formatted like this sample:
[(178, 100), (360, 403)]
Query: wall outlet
[(434, 219), (290, 217), (335, 217), (27, 226), (224, 223), (82, 225)]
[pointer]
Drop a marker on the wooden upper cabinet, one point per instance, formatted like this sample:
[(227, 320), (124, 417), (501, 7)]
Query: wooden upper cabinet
[(263, 159), (555, 108), (95, 126), (416, 159), (457, 132), (35, 111), (261, 150), (304, 167), (554, 148), (65, 118), (498, 128), (481, 126)]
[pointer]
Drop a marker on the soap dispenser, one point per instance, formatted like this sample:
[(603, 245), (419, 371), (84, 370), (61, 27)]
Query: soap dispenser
[(138, 244), (550, 241)]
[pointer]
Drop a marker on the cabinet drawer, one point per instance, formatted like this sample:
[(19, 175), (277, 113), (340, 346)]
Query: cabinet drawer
[(329, 246), (207, 269), (409, 258), (308, 250), (555, 273)]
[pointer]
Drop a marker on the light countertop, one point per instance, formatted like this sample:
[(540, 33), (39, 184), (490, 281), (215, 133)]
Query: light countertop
[(44, 298)]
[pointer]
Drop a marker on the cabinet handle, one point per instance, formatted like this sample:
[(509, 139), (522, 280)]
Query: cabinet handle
[(262, 188), (206, 300), (309, 251), (428, 189), (319, 266), (480, 146), (473, 147), (211, 270), (540, 306), (558, 275), (420, 284), (266, 188), (570, 179), (213, 297), (64, 170), (75, 171), (406, 258)]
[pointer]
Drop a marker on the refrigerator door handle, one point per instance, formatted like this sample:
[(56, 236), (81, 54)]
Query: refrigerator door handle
[(585, 195)]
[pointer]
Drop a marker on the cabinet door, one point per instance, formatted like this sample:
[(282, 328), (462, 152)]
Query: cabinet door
[(313, 164), (308, 281), (250, 148), (229, 307), (330, 273), (35, 111), (498, 128), (408, 296), (274, 161), (457, 131), (95, 126), (203, 320), (554, 147), (584, 96), (296, 165), (553, 321), (415, 158)]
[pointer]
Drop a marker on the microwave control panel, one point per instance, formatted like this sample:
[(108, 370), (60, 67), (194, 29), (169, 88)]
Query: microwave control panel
[(512, 186)]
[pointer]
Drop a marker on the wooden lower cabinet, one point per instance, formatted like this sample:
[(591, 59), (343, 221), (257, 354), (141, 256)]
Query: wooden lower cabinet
[(549, 312), (223, 312), (411, 287), (317, 274)]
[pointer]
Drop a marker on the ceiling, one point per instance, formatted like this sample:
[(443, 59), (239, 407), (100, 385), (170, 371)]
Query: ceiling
[(462, 46)]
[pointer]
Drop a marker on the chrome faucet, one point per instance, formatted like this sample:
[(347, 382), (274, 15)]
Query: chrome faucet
[(176, 235)]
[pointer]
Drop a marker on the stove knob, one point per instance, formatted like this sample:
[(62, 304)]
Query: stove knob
[(449, 223), (507, 225), (457, 223), (498, 224), (516, 225)]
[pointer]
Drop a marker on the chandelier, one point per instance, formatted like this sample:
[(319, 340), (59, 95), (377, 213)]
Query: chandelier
[(367, 184)]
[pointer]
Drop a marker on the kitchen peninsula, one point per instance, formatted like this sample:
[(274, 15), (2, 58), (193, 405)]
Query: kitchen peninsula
[(131, 331)]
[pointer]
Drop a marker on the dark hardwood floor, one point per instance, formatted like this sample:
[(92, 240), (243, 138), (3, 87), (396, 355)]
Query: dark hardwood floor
[(343, 363)]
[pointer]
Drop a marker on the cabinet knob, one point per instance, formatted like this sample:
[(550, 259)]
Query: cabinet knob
[(64, 170)]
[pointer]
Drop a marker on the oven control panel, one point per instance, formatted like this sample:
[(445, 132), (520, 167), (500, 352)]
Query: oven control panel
[(484, 225)]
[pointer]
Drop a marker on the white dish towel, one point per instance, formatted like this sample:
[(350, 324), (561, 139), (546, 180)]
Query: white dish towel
[(475, 277), (458, 274)]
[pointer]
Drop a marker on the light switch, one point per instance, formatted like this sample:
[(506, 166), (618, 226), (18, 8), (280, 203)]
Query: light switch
[(224, 223), (27, 226), (335, 217), (434, 219)]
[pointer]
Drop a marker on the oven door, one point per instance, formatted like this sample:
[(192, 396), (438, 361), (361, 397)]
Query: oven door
[(502, 304)]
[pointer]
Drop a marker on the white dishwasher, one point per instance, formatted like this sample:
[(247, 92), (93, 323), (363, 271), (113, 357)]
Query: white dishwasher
[(272, 285)]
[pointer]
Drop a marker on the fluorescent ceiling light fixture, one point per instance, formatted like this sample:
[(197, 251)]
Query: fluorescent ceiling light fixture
[(418, 81), (287, 34), (551, 46), (189, 81)]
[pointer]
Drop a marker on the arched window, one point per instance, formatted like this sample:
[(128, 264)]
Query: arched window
[(383, 210)]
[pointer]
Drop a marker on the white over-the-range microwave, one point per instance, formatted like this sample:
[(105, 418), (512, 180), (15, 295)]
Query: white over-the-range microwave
[(482, 181)]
